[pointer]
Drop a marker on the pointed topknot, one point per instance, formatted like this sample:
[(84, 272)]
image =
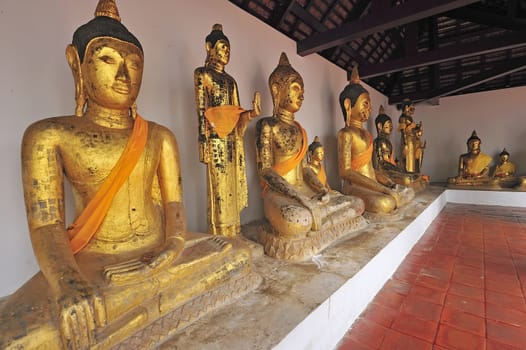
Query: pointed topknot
[(316, 139), (217, 26), (355, 76), (107, 8), (283, 60), (381, 110)]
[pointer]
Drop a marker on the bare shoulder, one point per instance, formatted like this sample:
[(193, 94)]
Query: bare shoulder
[(55, 126), (160, 132)]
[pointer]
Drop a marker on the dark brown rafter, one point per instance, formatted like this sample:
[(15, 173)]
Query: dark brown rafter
[(409, 48), (503, 69), (489, 19), (449, 53), (388, 18)]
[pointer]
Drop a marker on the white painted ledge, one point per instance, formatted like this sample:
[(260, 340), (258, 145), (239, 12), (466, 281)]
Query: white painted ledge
[(330, 321)]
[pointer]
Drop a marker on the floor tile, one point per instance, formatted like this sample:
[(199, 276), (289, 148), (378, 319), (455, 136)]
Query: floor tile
[(380, 314), (467, 305), (398, 341), (453, 338), (430, 294), (506, 300), (466, 291), (463, 321), (504, 315), (421, 308), (504, 333), (367, 333), (416, 327)]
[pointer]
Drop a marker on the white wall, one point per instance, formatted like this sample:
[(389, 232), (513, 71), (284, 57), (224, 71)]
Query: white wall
[(498, 116), (36, 83)]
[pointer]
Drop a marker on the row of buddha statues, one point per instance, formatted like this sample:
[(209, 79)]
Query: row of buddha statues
[(127, 272), (474, 169)]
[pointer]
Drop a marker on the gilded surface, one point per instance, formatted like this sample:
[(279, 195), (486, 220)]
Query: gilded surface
[(387, 171), (473, 166), (224, 156), (295, 201), (359, 178), (141, 262), (412, 147)]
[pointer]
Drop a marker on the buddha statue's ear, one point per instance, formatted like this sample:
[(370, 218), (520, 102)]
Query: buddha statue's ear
[(274, 89), (347, 104), (72, 56)]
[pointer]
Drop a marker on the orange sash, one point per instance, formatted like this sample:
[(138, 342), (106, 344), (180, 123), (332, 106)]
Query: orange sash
[(89, 221), (289, 164), (223, 118), (363, 158)]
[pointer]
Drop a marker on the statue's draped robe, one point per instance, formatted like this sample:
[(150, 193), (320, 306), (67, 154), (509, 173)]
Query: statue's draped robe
[(226, 170)]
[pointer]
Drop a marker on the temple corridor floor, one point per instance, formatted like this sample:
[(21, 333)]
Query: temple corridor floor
[(462, 286)]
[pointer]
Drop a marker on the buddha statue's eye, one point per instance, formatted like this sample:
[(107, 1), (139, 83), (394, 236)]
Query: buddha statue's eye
[(107, 59)]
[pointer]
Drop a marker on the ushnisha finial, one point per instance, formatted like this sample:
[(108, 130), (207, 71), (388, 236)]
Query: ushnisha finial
[(474, 137), (107, 8), (283, 60), (217, 26), (381, 110), (355, 76)]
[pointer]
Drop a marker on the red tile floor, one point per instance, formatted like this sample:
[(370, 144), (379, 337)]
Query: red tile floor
[(462, 286)]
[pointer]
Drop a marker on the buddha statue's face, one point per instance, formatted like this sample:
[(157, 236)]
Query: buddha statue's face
[(220, 52), (292, 97), (387, 127), (112, 71), (362, 108), (409, 110), (318, 154), (474, 147), (504, 158)]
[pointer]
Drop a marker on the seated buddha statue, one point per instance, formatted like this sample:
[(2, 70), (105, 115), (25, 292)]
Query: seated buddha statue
[(302, 215), (387, 171), (473, 166), (315, 156), (355, 154), (504, 173), (126, 269)]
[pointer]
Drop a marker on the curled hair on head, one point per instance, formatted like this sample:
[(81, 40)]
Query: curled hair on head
[(315, 145), (283, 75), (382, 118), (352, 91), (216, 34), (107, 23)]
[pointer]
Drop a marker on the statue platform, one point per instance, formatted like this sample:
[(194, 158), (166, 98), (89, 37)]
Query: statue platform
[(311, 305)]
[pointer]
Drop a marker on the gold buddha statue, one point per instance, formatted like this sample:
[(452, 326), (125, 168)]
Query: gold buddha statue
[(222, 125), (473, 166), (409, 139), (315, 156), (355, 154), (504, 173), (302, 215), (387, 170), (126, 272)]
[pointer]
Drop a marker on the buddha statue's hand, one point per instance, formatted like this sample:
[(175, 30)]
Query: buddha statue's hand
[(148, 264), (322, 197), (81, 311), (313, 205), (256, 105)]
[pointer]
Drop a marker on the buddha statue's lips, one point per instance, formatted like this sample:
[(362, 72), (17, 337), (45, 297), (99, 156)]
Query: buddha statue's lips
[(121, 88)]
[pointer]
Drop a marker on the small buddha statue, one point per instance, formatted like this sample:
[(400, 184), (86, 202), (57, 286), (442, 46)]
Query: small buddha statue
[(473, 166), (505, 168), (387, 171), (355, 154), (504, 173), (408, 138), (302, 215), (124, 270), (222, 125), (419, 148), (315, 157)]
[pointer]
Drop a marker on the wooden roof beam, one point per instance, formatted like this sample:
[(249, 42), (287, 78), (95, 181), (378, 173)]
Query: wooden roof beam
[(449, 53), (388, 18)]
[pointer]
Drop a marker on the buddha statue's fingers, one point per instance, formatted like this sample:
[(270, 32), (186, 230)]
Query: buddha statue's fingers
[(256, 105), (77, 324), (122, 272)]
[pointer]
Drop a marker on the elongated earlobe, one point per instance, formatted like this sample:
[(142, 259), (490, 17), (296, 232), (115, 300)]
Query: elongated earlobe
[(74, 63)]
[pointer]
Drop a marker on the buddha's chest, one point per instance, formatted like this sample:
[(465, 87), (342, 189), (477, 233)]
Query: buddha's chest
[(219, 89), (288, 139)]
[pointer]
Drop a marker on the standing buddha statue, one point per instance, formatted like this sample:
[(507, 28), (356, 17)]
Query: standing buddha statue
[(387, 171), (126, 268), (355, 153), (302, 215), (222, 125), (408, 138)]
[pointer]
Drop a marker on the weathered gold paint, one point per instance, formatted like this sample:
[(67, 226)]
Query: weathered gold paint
[(473, 166), (227, 192), (142, 263), (353, 140)]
